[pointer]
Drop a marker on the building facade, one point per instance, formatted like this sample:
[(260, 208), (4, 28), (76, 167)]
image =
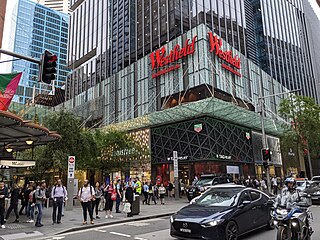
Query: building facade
[(58, 5), (107, 36), (3, 5), (37, 28)]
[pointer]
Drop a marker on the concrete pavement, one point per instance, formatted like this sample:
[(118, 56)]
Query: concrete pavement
[(72, 221)]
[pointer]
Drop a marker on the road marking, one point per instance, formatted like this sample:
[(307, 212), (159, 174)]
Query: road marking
[(120, 234), (57, 238), (138, 224), (138, 238), (99, 230), (21, 235)]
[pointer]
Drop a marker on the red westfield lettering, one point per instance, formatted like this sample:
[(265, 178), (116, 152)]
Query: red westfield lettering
[(216, 44), (159, 58)]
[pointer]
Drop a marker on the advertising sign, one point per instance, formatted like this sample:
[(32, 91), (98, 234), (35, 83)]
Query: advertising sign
[(71, 166), (233, 170)]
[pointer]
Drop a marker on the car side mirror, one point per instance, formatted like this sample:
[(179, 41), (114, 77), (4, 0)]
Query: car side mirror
[(244, 203)]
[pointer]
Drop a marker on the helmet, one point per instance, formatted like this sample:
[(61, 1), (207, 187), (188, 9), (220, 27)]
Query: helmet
[(290, 180)]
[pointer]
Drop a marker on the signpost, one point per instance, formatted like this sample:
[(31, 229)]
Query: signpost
[(176, 175), (70, 184)]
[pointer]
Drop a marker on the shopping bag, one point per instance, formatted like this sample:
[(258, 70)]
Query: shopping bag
[(126, 207)]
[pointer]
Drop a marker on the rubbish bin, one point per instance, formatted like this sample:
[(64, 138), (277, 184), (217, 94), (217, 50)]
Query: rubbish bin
[(136, 205)]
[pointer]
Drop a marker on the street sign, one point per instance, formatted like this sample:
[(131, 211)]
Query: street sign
[(71, 166)]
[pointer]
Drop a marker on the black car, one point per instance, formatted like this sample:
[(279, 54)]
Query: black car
[(314, 191), (223, 212), (204, 183)]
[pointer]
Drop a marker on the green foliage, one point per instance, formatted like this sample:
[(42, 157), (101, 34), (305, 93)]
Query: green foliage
[(304, 114)]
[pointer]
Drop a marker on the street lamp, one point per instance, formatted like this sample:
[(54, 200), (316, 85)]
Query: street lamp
[(9, 149), (29, 141), (264, 137)]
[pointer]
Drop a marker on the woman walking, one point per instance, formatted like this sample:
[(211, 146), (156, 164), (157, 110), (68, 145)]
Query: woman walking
[(31, 204), (98, 194), (111, 196), (162, 193), (151, 194)]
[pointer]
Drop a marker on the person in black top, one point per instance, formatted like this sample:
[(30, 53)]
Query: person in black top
[(3, 195), (14, 199), (129, 197), (24, 196)]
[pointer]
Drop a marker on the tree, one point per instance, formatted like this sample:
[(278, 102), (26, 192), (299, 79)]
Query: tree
[(304, 114)]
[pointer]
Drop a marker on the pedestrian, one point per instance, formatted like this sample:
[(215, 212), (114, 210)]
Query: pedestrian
[(86, 196), (151, 194), (3, 195), (40, 196), (111, 196), (162, 193), (183, 188), (103, 199), (119, 195), (31, 204), (129, 196), (145, 193), (59, 195), (170, 189), (14, 200), (263, 185), (98, 195), (24, 195), (274, 185), (138, 186)]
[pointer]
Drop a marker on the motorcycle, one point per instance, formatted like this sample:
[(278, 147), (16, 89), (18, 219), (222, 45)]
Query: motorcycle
[(294, 223)]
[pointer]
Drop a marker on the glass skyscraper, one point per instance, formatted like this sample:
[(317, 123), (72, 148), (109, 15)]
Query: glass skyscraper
[(38, 28), (107, 36)]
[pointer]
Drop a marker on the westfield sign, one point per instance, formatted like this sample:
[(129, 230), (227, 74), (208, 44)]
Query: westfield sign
[(160, 58)]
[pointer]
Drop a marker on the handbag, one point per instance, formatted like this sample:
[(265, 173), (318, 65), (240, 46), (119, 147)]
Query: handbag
[(126, 207), (114, 196)]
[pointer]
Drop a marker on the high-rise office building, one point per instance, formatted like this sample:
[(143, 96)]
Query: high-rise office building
[(37, 28), (110, 35), (58, 5), (3, 5)]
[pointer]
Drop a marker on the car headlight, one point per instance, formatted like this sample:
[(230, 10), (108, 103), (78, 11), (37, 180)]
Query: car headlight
[(294, 224), (172, 219), (281, 211), (316, 193), (212, 223)]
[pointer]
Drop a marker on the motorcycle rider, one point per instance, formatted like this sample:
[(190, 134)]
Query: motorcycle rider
[(289, 195)]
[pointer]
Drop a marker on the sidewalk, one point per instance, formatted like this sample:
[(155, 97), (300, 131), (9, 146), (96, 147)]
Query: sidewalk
[(72, 220)]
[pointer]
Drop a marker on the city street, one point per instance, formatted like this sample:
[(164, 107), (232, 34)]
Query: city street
[(159, 229)]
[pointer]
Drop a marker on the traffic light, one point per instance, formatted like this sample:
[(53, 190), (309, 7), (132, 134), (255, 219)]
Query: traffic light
[(266, 154), (48, 67)]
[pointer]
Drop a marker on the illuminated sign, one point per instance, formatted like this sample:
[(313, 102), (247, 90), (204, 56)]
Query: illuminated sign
[(160, 58), (215, 46)]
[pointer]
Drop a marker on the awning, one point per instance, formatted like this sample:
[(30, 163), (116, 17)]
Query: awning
[(14, 132)]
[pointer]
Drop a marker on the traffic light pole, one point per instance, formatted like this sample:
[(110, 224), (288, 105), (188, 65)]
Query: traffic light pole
[(264, 141), (13, 54), (264, 137)]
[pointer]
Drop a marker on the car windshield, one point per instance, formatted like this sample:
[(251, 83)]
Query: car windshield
[(301, 184), (223, 197), (315, 179), (204, 181)]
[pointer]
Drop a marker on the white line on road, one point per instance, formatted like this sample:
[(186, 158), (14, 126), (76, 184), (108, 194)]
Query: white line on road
[(99, 230), (121, 234), (138, 238)]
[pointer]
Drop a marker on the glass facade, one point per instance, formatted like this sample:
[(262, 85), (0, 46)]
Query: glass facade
[(39, 28), (107, 36)]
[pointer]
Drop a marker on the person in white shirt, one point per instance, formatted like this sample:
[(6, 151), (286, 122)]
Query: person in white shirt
[(274, 185), (86, 196), (59, 195)]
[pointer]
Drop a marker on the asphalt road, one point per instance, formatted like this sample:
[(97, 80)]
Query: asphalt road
[(158, 229)]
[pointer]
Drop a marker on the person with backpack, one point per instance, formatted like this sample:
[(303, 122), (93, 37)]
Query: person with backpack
[(129, 196), (86, 195), (111, 196), (14, 199), (59, 195), (40, 196)]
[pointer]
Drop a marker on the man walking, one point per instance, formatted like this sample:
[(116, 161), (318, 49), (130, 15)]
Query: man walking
[(86, 196), (119, 196), (58, 194), (40, 196), (3, 195), (14, 199)]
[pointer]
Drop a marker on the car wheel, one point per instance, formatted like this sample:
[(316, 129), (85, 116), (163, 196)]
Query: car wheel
[(270, 224), (283, 233), (231, 231)]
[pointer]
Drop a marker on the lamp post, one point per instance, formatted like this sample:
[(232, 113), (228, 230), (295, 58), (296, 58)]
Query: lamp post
[(264, 137)]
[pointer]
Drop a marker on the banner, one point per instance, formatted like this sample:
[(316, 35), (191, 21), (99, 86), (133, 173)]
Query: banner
[(8, 87)]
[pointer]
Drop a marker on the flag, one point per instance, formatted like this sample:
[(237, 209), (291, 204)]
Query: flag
[(8, 87)]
